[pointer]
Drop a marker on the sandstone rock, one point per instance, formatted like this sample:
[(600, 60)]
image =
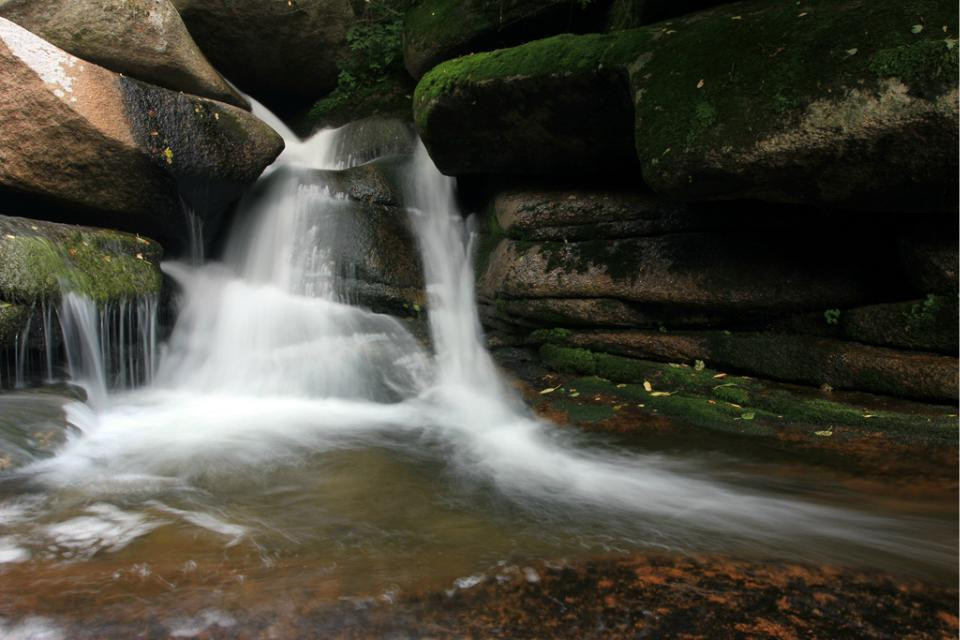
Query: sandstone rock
[(437, 30), (846, 103), (286, 48), (805, 359), (80, 135), (40, 259), (555, 214), (558, 105), (930, 257), (871, 126), (145, 39), (926, 325), (746, 273)]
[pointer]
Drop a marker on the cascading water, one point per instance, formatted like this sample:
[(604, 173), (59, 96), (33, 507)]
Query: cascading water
[(280, 413)]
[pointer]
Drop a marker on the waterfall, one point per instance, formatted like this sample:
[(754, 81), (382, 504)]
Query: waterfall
[(270, 364)]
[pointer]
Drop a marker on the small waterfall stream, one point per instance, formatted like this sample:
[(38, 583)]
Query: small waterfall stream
[(286, 421)]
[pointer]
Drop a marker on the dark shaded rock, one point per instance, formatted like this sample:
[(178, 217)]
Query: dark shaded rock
[(272, 48), (145, 39), (558, 105), (630, 14), (804, 359), (12, 319), (583, 215), (74, 133), (745, 273), (872, 125), (437, 30), (930, 258), (40, 259), (367, 139), (927, 325)]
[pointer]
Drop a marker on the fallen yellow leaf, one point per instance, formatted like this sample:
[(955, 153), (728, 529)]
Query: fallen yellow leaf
[(647, 386)]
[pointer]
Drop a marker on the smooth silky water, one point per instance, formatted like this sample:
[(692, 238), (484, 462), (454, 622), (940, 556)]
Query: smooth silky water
[(292, 446)]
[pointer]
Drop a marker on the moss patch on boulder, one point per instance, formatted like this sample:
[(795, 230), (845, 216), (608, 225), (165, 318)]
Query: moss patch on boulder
[(39, 260)]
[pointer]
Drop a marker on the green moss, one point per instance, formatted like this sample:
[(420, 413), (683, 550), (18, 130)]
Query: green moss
[(101, 264), (563, 54), (584, 413), (917, 63), (568, 360), (550, 336), (12, 319), (754, 65), (729, 392)]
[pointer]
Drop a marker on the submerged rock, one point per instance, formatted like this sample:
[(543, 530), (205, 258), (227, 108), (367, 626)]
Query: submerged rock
[(145, 39), (437, 30), (285, 48), (85, 137), (39, 260)]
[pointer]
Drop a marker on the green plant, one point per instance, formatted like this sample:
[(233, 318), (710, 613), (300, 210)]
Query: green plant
[(832, 316)]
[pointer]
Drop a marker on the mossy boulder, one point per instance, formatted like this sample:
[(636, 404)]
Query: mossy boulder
[(145, 39), (115, 151), (558, 105), (803, 359), (41, 260), (726, 103), (847, 102), (271, 48), (438, 30)]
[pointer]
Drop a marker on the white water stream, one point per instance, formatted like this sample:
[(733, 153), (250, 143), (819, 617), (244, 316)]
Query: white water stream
[(269, 366)]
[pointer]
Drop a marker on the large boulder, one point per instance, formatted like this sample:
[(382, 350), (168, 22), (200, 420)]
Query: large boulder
[(872, 125), (437, 30), (558, 105), (92, 140), (272, 47), (145, 39), (39, 260), (848, 102)]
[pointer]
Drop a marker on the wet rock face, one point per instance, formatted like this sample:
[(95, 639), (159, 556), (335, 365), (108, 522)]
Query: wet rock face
[(145, 39), (40, 259), (375, 256), (272, 48), (82, 136)]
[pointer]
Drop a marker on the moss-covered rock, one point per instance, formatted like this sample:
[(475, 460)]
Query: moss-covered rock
[(437, 30), (727, 104), (792, 358), (706, 398), (926, 325), (145, 39), (845, 102), (40, 260), (558, 105)]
